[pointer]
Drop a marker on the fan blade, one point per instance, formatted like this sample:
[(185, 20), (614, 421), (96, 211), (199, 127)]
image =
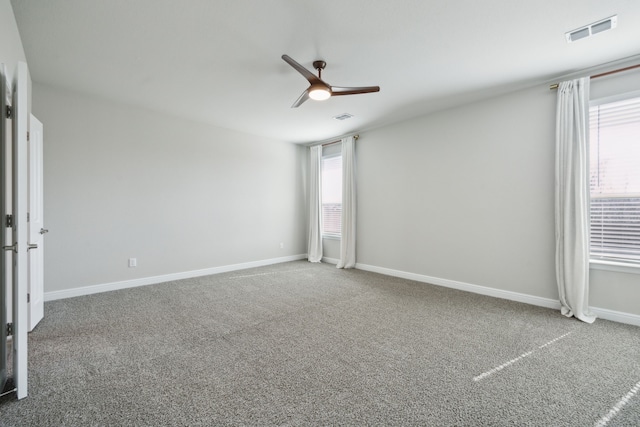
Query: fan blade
[(301, 99), (337, 91), (299, 68)]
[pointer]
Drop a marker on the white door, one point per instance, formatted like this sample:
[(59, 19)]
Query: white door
[(36, 224), (20, 117)]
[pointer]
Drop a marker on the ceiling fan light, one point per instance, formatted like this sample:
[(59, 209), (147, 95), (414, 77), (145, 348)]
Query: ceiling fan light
[(319, 93)]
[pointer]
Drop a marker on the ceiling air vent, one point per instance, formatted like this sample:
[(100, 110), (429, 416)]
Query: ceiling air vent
[(591, 29), (343, 116)]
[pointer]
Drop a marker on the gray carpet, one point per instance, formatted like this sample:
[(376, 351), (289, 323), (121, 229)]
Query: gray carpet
[(307, 344)]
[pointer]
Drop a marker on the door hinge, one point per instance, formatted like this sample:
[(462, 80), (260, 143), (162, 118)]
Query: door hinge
[(28, 217), (9, 329), (28, 135), (9, 221), (28, 298), (9, 112)]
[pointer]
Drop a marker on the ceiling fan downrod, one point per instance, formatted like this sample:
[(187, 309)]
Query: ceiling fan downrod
[(319, 65)]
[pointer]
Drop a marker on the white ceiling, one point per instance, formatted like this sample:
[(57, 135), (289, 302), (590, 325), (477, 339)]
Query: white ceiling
[(218, 61)]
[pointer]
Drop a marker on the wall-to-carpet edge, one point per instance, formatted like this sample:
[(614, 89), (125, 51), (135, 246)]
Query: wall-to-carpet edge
[(113, 286), (615, 316)]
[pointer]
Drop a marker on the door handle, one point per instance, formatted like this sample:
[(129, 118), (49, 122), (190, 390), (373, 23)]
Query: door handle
[(43, 231), (13, 247), (31, 246)]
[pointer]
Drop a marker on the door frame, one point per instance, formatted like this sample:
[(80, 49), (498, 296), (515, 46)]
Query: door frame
[(4, 182)]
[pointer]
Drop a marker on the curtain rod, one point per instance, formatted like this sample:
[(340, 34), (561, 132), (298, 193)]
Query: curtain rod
[(555, 85), (335, 142)]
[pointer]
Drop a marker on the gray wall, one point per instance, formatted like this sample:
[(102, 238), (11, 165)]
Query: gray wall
[(11, 50), (122, 182), (467, 194), (331, 249)]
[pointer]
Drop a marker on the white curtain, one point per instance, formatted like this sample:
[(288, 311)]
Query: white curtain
[(572, 198), (348, 240), (314, 247)]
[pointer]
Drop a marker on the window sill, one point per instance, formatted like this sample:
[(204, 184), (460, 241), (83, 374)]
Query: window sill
[(330, 237), (619, 267)]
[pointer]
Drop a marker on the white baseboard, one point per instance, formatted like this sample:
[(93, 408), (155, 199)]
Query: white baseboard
[(113, 286), (616, 316), (603, 313)]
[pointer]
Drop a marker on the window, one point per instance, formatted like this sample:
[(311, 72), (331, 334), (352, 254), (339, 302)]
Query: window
[(332, 195), (615, 180)]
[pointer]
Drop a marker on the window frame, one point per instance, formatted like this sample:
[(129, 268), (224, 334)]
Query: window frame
[(612, 264)]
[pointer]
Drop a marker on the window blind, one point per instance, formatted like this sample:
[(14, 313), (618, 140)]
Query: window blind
[(615, 180), (332, 196)]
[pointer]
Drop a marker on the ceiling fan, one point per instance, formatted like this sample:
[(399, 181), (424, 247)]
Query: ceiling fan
[(318, 89)]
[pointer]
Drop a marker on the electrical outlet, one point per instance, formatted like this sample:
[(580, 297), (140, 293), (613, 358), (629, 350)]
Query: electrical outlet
[(133, 262)]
